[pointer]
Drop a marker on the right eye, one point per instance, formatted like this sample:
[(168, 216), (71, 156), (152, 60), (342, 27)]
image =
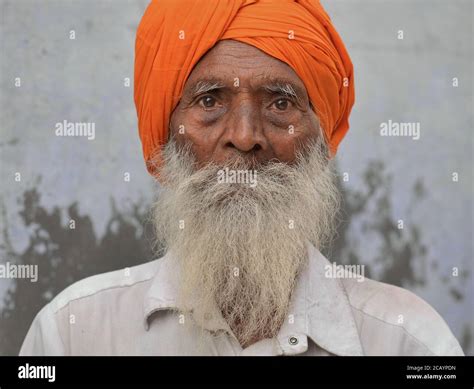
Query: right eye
[(207, 101)]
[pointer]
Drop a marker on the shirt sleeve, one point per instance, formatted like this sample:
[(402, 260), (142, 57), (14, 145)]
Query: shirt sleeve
[(455, 349), (43, 337)]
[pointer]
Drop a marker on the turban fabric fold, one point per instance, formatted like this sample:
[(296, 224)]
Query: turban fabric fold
[(174, 35)]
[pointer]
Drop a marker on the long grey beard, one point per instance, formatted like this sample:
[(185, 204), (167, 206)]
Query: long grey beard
[(240, 248)]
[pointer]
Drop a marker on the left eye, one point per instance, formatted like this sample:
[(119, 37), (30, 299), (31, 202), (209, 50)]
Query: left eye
[(281, 104)]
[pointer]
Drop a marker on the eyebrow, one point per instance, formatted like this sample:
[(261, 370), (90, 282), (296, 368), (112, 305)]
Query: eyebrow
[(277, 86), (206, 86), (286, 89)]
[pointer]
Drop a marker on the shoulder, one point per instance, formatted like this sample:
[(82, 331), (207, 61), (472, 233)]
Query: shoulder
[(406, 323), (93, 299), (97, 285)]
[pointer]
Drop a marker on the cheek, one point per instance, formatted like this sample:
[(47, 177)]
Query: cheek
[(284, 147), (186, 130), (286, 143)]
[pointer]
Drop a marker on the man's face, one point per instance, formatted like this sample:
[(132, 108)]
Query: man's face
[(241, 101), (217, 229)]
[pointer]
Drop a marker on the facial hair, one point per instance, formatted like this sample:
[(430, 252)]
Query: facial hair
[(240, 248)]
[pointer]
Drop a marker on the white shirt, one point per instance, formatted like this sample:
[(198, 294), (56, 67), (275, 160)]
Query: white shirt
[(133, 312)]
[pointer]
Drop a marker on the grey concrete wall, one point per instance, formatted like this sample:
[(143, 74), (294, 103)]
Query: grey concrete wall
[(390, 178)]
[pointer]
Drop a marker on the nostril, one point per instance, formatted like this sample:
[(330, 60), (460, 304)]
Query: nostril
[(256, 147)]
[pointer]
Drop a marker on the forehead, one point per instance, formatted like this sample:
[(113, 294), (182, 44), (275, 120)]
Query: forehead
[(230, 59)]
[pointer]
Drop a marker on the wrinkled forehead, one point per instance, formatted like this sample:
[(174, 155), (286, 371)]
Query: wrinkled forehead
[(236, 64)]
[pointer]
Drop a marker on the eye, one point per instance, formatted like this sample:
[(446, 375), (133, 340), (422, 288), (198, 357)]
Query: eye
[(207, 101), (282, 104)]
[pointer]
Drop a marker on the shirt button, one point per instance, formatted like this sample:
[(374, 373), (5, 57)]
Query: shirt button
[(293, 340)]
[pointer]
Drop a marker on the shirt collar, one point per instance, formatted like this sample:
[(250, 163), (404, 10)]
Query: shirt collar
[(319, 307), (163, 292)]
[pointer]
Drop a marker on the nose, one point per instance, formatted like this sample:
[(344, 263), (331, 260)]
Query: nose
[(244, 130)]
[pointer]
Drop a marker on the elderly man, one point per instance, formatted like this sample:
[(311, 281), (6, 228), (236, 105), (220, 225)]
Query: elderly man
[(241, 107)]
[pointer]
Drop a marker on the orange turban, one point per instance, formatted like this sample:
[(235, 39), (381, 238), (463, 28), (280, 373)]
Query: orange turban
[(174, 34)]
